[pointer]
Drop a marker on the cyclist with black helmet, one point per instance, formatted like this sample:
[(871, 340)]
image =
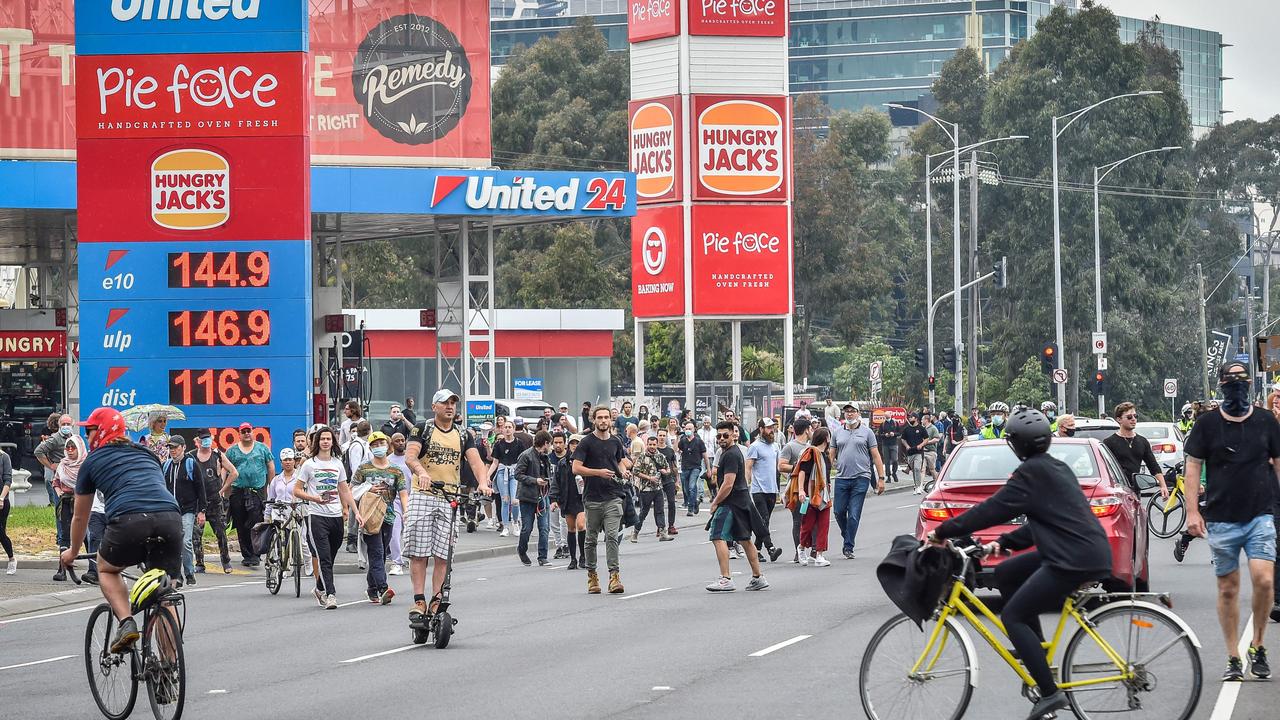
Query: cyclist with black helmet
[(995, 429), (143, 524), (1071, 547)]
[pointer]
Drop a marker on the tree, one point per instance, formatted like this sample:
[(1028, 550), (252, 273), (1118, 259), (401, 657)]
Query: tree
[(1030, 387), (854, 376), (758, 364)]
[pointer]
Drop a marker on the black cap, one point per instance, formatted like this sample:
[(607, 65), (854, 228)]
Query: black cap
[(177, 441), (203, 433)]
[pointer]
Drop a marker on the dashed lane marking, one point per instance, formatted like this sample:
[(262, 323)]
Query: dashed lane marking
[(647, 592), (37, 662), (779, 646), (379, 654)]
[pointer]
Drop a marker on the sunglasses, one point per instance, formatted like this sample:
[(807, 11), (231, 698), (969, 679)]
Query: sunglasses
[(722, 435), (1234, 376), (1130, 416)]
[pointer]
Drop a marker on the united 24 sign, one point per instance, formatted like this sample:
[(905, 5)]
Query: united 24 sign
[(496, 192)]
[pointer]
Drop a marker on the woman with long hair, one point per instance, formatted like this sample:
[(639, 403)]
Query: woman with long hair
[(157, 438), (322, 482), (811, 494)]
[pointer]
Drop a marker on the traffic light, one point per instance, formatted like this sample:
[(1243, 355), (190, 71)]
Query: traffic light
[(1099, 382), (933, 382), (1049, 358), (1001, 269), (949, 358), (922, 361)]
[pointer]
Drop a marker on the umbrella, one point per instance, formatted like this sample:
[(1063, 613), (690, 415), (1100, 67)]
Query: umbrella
[(139, 416)]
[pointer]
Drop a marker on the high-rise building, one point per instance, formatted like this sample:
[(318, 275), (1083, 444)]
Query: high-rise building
[(863, 53)]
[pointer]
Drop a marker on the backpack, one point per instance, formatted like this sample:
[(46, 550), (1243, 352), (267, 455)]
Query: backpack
[(192, 474), (346, 457)]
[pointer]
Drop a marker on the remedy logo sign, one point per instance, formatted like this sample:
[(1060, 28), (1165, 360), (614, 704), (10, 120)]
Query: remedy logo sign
[(190, 190), (412, 79), (655, 149), (752, 18), (122, 27), (741, 148)]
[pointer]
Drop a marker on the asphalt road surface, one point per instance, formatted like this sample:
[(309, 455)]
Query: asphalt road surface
[(532, 644)]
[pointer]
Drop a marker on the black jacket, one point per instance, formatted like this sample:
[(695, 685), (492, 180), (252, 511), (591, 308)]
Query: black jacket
[(403, 427), (563, 484), (1060, 522), (531, 467), (183, 480)]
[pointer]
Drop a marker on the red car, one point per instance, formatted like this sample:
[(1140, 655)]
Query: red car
[(979, 468)]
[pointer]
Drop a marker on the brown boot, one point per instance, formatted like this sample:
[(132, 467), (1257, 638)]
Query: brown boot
[(615, 584), (593, 583)]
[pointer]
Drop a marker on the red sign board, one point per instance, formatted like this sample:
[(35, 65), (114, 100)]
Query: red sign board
[(655, 149), (215, 95), (741, 147), (33, 344), (657, 262), (879, 414), (207, 189), (386, 85), (753, 18), (741, 260), (653, 19)]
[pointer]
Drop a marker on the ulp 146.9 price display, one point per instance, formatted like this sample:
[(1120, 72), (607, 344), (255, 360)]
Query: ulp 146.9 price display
[(219, 328), (220, 386)]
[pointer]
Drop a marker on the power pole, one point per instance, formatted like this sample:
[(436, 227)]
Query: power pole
[(972, 396), (1204, 336)]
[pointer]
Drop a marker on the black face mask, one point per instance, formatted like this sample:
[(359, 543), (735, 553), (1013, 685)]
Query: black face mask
[(1069, 433), (1235, 397)]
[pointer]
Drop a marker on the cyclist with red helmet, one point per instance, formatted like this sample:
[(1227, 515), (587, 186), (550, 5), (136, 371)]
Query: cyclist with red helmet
[(143, 524)]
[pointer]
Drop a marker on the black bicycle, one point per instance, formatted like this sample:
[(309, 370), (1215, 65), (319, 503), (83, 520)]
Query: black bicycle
[(286, 549), (437, 627), (157, 660)]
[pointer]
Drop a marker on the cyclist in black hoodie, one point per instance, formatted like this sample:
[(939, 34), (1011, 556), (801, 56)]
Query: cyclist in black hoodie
[(1071, 546)]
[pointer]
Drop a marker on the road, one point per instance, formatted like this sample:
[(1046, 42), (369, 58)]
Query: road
[(532, 644)]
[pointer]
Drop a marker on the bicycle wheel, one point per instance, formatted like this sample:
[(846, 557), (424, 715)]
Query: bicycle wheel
[(1166, 524), (164, 665), (275, 566), (295, 559), (941, 688), (1166, 665), (112, 676)]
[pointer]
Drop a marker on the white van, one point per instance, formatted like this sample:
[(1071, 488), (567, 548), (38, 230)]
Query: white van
[(530, 410)]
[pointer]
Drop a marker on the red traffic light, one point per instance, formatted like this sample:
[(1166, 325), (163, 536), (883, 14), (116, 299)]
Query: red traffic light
[(1049, 350)]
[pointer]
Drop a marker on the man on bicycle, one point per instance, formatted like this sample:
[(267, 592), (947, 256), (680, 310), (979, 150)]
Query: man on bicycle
[(143, 524), (437, 448), (1071, 547)]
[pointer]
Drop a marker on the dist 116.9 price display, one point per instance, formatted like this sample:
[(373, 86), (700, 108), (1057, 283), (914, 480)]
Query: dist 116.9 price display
[(227, 386)]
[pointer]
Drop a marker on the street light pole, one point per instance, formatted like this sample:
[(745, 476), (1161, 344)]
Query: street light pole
[(1100, 172), (1070, 117)]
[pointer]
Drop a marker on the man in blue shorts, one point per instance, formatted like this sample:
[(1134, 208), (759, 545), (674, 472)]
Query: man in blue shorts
[(143, 524), (731, 511), (1239, 445)]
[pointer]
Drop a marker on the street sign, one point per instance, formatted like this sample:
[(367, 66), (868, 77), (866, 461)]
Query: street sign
[(1100, 344), (1171, 388), (1059, 376), (877, 369), (1102, 362)]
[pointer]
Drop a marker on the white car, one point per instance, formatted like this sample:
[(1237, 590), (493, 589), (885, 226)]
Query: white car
[(1166, 441), (530, 410)]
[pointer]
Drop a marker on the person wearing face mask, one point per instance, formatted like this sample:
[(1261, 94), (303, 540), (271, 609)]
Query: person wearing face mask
[(1239, 446), (995, 429), (1132, 450), (50, 452), (395, 552), (376, 486), (856, 451), (214, 470), (1049, 409), (694, 461), (1066, 426)]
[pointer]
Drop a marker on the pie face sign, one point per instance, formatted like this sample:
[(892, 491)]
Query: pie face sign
[(412, 79)]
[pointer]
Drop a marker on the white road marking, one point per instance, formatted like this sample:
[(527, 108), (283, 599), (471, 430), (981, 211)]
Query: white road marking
[(355, 602), (648, 592), (661, 687), (37, 662), (379, 654), (217, 692), (1230, 692), (903, 507), (779, 646), (47, 615), (481, 579)]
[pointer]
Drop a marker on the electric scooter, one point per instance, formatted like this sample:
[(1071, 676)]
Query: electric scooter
[(438, 627)]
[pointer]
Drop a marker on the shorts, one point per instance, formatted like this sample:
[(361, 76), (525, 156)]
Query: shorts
[(124, 543), (428, 526), (731, 524), (1226, 539)]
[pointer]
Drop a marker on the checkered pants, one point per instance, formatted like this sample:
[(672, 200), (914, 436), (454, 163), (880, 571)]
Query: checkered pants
[(427, 530)]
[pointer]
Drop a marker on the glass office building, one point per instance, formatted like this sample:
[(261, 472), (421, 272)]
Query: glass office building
[(863, 53)]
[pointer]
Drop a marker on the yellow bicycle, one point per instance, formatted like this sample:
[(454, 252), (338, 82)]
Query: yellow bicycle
[(1167, 517), (1128, 654)]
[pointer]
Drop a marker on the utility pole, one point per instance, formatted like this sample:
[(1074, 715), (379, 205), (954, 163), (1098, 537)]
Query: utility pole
[(972, 397), (1204, 336)]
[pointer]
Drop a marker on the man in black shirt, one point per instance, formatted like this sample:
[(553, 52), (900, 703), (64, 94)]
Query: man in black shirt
[(602, 462), (694, 461), (731, 511), (914, 437), (1239, 444), (1132, 450), (669, 478), (888, 435)]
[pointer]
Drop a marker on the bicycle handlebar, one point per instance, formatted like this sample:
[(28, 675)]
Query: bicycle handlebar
[(71, 570)]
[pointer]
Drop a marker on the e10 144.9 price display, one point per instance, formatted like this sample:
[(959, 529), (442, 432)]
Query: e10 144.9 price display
[(220, 386), (219, 269), (219, 328)]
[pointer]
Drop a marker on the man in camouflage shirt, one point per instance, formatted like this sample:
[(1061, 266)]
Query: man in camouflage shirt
[(651, 466)]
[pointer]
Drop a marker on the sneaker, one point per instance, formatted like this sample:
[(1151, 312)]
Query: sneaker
[(573, 564), (774, 554), (1258, 666), (663, 537), (319, 596), (360, 565), (819, 561), (199, 569), (91, 577), (226, 569), (126, 636), (795, 559), (60, 576), (722, 584), (671, 530), (733, 553), (351, 546), (635, 536), (12, 567), (804, 557), (524, 558), (490, 524), (918, 491), (848, 555), (395, 570), (543, 562), (386, 595), (330, 602), (471, 526), (191, 579), (1234, 671), (1047, 706), (758, 583), (374, 598), (503, 532)]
